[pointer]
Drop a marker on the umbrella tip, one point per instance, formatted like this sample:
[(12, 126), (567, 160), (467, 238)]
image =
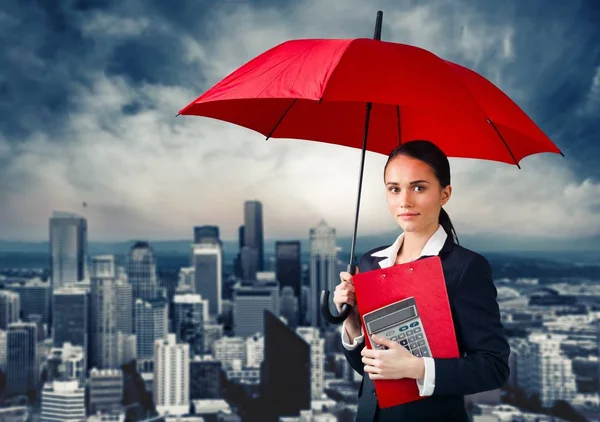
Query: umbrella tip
[(177, 115), (561, 153)]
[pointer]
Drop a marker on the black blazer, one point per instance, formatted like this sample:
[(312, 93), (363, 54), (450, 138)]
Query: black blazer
[(482, 345)]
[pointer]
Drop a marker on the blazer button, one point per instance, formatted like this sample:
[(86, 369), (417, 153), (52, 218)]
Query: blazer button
[(374, 392)]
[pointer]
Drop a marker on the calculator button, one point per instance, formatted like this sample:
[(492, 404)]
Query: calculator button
[(421, 343), (419, 337), (414, 324), (389, 333), (403, 342), (409, 332), (404, 328), (411, 339), (414, 346), (417, 330), (424, 352), (401, 335), (394, 338), (417, 353)]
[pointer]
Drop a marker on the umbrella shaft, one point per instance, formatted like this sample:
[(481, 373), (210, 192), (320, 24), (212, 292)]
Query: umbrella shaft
[(351, 266)]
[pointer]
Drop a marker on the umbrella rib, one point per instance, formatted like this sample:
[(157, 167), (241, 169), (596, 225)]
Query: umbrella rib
[(504, 142), (398, 118), (281, 119)]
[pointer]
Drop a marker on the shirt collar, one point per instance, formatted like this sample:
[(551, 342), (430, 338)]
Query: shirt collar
[(432, 248)]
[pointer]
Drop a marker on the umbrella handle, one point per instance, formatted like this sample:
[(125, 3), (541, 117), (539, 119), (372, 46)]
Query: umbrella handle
[(346, 309), (332, 319)]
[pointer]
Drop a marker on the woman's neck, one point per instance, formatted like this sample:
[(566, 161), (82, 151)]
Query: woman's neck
[(414, 242)]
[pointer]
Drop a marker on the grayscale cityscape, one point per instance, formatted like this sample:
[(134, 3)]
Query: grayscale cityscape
[(202, 332), (163, 252)]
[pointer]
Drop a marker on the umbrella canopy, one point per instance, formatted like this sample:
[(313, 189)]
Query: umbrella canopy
[(316, 89), (371, 95)]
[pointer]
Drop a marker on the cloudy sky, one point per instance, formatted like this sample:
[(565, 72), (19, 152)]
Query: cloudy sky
[(89, 91)]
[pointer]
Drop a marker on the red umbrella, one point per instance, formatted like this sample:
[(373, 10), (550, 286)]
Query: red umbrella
[(351, 91)]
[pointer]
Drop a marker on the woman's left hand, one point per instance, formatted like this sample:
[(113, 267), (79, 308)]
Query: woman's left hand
[(394, 363)]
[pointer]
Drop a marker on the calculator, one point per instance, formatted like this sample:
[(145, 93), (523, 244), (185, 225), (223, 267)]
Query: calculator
[(399, 322)]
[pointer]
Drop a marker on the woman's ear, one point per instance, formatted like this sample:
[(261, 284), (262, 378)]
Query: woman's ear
[(446, 194)]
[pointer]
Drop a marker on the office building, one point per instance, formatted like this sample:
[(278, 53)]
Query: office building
[(190, 314), (317, 359), (66, 363), (104, 334), (171, 376), (63, 401), (105, 390), (141, 271), (288, 269), (253, 231), (323, 269), (286, 388), (71, 317), (542, 369), (35, 299), (68, 248), (205, 378), (207, 261), (125, 303), (10, 307), (152, 323), (229, 350), (251, 299), (21, 358)]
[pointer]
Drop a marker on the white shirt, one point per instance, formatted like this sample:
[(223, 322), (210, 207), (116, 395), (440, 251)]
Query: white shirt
[(432, 248)]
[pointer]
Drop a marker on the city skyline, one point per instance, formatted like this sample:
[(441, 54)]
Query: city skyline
[(104, 132)]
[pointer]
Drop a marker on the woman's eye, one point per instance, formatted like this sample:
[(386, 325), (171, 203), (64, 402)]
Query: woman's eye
[(394, 190), (419, 188)]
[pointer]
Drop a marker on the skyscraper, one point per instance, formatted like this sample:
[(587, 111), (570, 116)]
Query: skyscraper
[(253, 230), (323, 269), (191, 312), (68, 248), (251, 299), (124, 304), (104, 335), (207, 261), (10, 307), (141, 271), (171, 376), (35, 298), (21, 357), (70, 321), (287, 265), (285, 388), (152, 323)]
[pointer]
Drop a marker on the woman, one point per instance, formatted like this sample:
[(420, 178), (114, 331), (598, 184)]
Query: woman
[(417, 180)]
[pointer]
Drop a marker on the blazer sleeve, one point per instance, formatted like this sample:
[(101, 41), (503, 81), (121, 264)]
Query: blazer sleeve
[(354, 357), (484, 365)]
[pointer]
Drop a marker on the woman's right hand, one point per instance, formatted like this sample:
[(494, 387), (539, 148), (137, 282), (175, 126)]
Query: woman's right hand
[(344, 293)]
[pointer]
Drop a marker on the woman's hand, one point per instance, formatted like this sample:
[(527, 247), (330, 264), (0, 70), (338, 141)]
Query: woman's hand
[(394, 363), (344, 293)]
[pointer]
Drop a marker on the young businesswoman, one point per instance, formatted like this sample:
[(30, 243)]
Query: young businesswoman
[(417, 181)]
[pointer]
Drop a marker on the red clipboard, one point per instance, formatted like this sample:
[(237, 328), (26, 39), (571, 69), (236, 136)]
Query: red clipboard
[(424, 280)]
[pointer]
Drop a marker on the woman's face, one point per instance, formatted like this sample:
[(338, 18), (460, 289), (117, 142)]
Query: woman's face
[(414, 194)]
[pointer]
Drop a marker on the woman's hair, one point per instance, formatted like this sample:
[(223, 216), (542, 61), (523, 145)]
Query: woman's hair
[(432, 155)]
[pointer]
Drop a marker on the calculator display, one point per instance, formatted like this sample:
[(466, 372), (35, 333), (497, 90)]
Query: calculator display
[(395, 318)]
